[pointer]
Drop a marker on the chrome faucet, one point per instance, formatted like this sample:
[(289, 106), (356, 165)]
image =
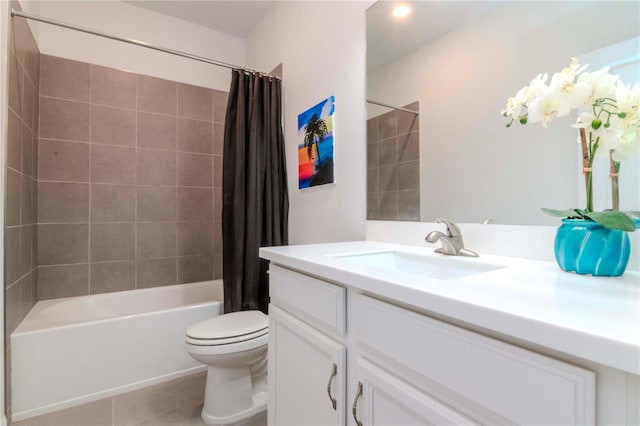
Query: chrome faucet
[(452, 243)]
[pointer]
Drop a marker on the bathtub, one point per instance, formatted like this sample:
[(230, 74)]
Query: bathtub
[(71, 351)]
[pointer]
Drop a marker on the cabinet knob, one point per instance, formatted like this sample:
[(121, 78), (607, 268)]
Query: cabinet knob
[(354, 409), (334, 373)]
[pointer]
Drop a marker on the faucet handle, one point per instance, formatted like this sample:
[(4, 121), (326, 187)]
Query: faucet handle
[(452, 228)]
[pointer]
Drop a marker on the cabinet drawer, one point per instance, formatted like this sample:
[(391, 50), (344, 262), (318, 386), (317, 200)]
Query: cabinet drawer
[(487, 378), (317, 302)]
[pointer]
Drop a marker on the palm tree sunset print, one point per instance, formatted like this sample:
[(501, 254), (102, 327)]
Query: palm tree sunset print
[(315, 148)]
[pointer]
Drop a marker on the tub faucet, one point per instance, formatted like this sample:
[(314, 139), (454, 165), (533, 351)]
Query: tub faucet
[(452, 243)]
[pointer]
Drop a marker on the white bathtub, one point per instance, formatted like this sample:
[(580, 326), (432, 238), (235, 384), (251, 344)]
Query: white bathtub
[(72, 351)]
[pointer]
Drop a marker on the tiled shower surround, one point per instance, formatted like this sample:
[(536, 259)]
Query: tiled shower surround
[(21, 184), (22, 163), (129, 180), (393, 166)]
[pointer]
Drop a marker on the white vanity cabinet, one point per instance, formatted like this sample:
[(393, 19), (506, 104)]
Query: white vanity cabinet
[(397, 363), (307, 357), (410, 369)]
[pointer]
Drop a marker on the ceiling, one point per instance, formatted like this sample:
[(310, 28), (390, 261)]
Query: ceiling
[(389, 39), (236, 18)]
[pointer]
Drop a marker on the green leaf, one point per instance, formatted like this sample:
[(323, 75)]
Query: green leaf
[(561, 213), (613, 220), (581, 213)]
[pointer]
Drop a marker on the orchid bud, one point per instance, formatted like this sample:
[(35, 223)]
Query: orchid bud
[(622, 114), (523, 119), (596, 123)]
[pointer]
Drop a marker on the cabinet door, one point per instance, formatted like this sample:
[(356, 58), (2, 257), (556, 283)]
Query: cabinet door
[(383, 399), (306, 374)]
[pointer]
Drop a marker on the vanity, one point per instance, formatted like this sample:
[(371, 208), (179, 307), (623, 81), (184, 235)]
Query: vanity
[(372, 333)]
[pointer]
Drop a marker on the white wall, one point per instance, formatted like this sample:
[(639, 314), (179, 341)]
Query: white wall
[(128, 21), (473, 168), (322, 48)]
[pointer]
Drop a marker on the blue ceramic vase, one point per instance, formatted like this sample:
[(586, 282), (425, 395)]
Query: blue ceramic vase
[(586, 247)]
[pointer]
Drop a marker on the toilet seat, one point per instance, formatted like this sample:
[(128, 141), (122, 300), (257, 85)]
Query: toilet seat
[(226, 329)]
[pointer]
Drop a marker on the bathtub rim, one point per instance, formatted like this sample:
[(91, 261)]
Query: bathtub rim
[(43, 304)]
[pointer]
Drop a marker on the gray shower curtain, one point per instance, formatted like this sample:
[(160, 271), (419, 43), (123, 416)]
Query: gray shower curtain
[(255, 202)]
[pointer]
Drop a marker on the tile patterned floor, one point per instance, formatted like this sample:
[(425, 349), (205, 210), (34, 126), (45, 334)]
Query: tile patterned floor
[(175, 403), (191, 417)]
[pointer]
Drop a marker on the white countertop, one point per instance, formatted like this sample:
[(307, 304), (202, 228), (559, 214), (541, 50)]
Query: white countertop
[(595, 318)]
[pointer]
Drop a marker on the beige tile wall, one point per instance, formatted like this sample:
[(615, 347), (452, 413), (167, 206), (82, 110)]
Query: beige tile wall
[(21, 190), (129, 180), (393, 166)]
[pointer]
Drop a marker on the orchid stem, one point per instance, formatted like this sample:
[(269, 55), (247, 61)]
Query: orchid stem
[(614, 170), (586, 168)]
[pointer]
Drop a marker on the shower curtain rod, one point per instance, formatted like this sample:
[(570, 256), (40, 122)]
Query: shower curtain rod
[(62, 24), (392, 107)]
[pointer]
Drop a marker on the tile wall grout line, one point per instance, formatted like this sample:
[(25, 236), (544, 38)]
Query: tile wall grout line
[(20, 188), (57, 98), (136, 110), (176, 182), (213, 179), (18, 280), (145, 185), (90, 161), (37, 183), (135, 206), (164, 221), (56, 265), (214, 244), (144, 148)]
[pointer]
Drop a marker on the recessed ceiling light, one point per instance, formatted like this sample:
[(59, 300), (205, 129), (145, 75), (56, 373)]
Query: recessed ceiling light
[(401, 11)]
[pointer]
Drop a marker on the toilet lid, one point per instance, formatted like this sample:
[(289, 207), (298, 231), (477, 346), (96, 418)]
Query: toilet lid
[(233, 325)]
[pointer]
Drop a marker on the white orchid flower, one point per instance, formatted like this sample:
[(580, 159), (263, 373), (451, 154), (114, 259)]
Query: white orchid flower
[(602, 84), (629, 145), (612, 117), (584, 121), (578, 93), (574, 68), (627, 99), (524, 96), (547, 105)]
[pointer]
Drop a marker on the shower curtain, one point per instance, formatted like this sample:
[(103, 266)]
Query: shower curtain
[(255, 202)]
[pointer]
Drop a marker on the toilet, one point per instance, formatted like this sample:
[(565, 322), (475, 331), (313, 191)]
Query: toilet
[(234, 348)]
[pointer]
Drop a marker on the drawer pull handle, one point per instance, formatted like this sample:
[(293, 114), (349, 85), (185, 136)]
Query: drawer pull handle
[(354, 409), (334, 373)]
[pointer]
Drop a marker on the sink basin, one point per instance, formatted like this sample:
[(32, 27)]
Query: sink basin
[(437, 267)]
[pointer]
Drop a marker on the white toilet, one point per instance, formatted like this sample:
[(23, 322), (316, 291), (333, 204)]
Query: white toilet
[(234, 347)]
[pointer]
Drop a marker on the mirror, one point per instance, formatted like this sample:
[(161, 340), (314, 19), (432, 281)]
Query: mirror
[(457, 62)]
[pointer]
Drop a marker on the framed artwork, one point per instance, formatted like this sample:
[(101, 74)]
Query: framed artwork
[(315, 144)]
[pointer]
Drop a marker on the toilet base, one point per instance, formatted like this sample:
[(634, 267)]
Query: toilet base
[(259, 405)]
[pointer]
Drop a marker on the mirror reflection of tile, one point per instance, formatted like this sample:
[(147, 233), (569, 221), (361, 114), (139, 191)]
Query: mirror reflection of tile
[(393, 165)]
